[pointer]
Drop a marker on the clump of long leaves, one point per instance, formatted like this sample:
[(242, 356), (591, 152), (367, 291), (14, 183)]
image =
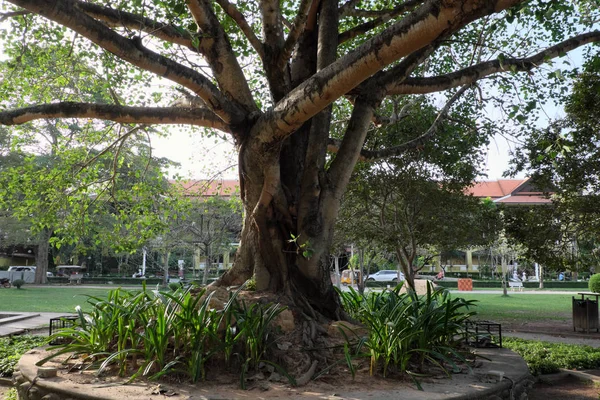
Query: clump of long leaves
[(153, 333), (406, 331)]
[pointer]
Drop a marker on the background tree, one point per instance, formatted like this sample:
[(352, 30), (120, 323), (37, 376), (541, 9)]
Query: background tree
[(564, 158), (415, 201), (212, 224), (310, 57)]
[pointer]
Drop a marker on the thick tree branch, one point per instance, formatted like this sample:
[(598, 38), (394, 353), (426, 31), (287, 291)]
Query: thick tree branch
[(296, 30), (118, 18), (354, 137), (272, 26), (319, 129), (220, 56), (240, 20), (121, 114), (347, 7), (356, 12), (476, 72), (379, 20), (416, 31), (5, 16), (67, 14)]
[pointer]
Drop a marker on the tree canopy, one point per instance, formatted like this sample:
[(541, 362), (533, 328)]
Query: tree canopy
[(274, 75), (563, 157)]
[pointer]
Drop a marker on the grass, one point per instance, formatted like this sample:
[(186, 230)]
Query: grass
[(47, 299), (520, 307), (499, 289)]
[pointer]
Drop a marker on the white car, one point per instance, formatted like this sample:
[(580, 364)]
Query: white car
[(386, 275), (21, 268)]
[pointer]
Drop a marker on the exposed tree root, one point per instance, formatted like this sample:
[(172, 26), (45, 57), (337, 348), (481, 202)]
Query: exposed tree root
[(305, 378)]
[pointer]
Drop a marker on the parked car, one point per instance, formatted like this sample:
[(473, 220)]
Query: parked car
[(21, 268), (386, 275)]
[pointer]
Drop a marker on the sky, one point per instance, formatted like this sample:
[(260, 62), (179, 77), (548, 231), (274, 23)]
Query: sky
[(202, 158)]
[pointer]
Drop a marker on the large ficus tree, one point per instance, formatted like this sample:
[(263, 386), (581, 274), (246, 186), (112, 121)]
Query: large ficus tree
[(271, 74)]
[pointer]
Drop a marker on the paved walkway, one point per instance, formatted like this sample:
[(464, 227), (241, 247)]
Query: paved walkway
[(30, 322)]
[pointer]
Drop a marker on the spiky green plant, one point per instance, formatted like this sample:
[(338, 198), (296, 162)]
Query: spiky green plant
[(154, 333), (406, 329)]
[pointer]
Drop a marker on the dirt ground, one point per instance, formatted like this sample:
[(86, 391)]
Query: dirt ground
[(566, 388)]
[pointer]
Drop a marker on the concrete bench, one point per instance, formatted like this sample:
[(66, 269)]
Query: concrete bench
[(515, 285)]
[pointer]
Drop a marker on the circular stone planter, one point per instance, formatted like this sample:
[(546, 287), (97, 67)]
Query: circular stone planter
[(503, 376)]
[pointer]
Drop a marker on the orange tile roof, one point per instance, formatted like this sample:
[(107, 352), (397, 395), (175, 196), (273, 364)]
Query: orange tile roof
[(206, 188), (495, 189), (506, 191)]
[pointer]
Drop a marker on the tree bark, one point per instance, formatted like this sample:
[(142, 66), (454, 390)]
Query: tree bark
[(272, 250), (166, 269), (207, 265), (41, 257)]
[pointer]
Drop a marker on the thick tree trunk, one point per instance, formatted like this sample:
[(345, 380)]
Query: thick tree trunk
[(406, 266), (280, 259), (41, 256)]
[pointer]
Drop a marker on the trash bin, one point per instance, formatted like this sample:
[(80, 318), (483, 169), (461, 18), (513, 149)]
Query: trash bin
[(585, 314)]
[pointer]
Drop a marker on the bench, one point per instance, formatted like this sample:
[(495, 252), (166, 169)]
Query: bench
[(515, 285), (75, 279)]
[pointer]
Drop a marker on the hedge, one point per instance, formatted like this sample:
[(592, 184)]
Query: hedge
[(496, 284), (103, 280)]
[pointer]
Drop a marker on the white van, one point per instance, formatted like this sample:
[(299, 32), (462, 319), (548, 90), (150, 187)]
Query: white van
[(22, 268)]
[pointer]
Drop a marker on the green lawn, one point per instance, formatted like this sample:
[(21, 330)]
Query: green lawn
[(47, 299), (521, 307)]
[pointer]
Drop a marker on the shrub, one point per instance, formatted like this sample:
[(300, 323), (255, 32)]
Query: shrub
[(594, 283), (548, 358), (406, 330), (18, 283), (12, 348), (174, 286), (251, 284), (172, 332)]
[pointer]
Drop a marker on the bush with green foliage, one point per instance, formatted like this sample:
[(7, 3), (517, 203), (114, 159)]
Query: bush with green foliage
[(251, 284), (174, 286), (548, 358), (594, 283), (12, 348), (11, 394), (407, 330), (18, 283), (170, 332)]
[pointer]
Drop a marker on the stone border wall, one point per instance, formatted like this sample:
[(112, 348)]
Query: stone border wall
[(504, 376)]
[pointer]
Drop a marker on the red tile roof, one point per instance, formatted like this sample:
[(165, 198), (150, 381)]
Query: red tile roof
[(206, 188), (495, 189), (509, 191)]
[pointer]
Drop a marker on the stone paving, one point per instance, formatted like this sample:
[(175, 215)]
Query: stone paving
[(32, 321)]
